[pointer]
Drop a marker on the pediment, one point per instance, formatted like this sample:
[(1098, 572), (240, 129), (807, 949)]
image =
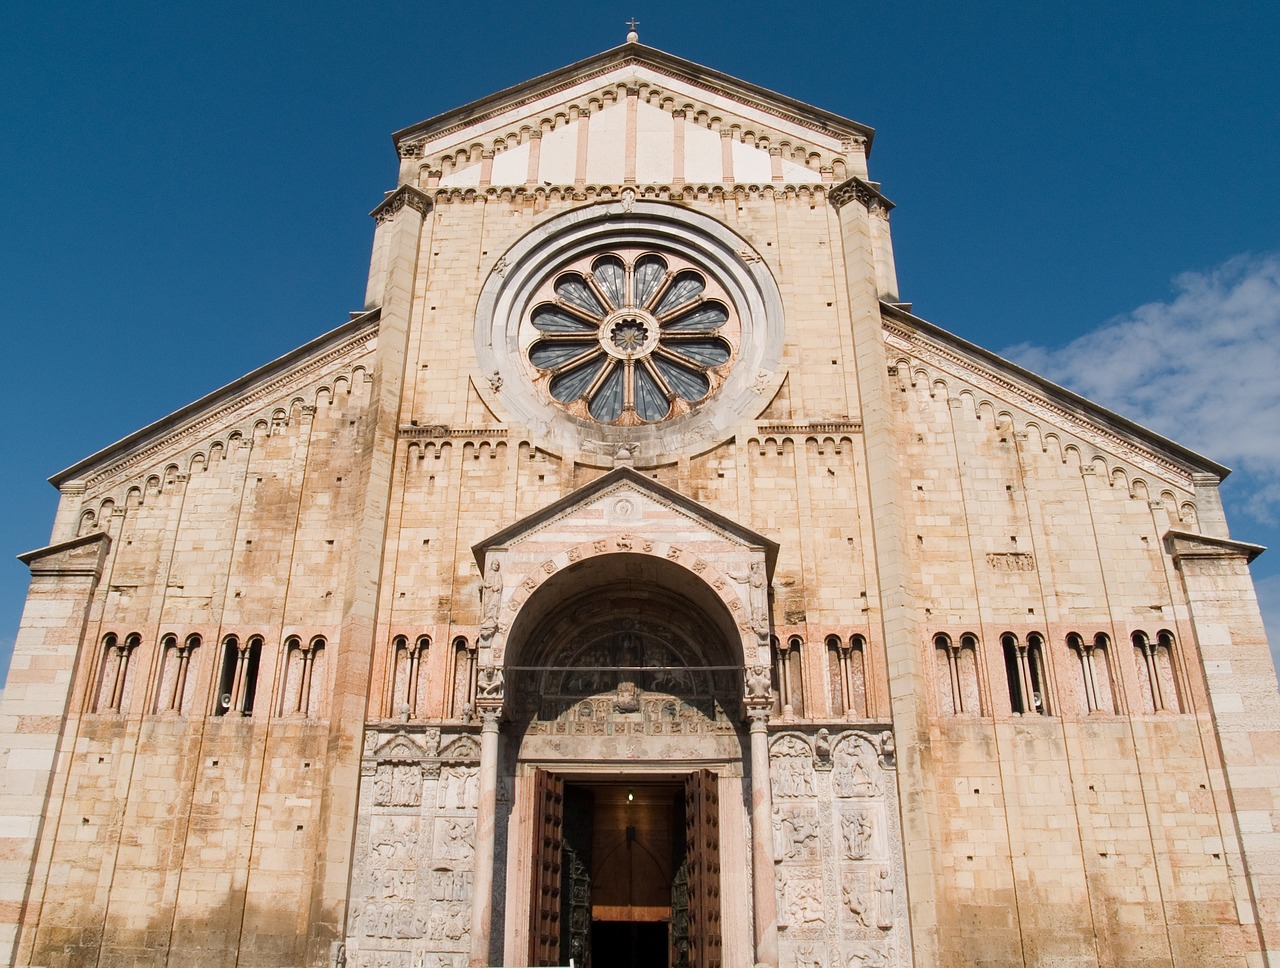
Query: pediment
[(682, 121), (464, 749), (399, 747), (625, 501)]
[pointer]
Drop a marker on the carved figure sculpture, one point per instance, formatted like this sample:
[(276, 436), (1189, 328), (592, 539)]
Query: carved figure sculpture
[(806, 904), (757, 596), (758, 683), (884, 897), (491, 599), (490, 683), (799, 833), (857, 904), (856, 833)]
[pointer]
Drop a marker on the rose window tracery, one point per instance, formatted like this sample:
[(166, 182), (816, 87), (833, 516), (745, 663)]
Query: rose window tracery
[(630, 336)]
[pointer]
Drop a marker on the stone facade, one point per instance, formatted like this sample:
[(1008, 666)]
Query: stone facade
[(932, 662)]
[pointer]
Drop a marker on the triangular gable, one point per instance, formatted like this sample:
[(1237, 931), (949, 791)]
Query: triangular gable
[(718, 90), (1007, 382), (213, 412), (399, 747), (464, 749), (632, 115), (610, 486)]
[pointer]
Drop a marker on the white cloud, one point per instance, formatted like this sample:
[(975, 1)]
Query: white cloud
[(1202, 369)]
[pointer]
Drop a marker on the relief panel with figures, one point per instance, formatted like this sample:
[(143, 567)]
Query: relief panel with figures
[(838, 851)]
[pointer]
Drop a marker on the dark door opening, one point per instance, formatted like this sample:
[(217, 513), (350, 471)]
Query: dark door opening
[(626, 873), (630, 944)]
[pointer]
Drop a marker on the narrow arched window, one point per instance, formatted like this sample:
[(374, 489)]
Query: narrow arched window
[(1025, 672), (1104, 673), (462, 697), (238, 676), (114, 681), (1014, 669), (792, 678), (777, 673), (846, 667), (175, 665), (409, 660), (101, 694), (956, 674), (1157, 683), (1095, 671), (1038, 674), (1166, 672), (1148, 678), (836, 676), (303, 660)]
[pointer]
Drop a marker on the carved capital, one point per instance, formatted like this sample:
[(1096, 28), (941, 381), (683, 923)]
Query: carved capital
[(402, 197), (855, 189), (411, 149)]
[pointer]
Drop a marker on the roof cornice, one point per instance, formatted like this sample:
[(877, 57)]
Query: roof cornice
[(211, 402), (1067, 404), (788, 108)]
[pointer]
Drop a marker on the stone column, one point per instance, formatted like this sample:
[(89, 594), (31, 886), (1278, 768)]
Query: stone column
[(486, 813), (765, 898)]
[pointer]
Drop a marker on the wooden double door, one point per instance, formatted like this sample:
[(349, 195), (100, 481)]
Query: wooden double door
[(626, 873)]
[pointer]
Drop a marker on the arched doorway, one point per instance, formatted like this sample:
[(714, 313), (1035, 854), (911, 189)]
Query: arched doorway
[(624, 685)]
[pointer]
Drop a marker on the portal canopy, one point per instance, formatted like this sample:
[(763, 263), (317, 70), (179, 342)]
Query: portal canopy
[(622, 534)]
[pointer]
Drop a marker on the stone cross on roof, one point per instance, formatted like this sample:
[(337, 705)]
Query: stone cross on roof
[(632, 36)]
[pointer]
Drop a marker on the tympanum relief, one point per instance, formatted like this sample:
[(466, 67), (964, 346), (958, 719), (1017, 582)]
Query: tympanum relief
[(628, 689), (413, 870), (838, 850)]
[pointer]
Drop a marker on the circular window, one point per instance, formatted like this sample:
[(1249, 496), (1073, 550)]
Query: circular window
[(649, 327), (630, 336)]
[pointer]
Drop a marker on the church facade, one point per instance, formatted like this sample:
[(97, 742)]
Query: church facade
[(636, 580)]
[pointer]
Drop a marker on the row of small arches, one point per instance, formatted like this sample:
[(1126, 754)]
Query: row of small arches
[(815, 193), (1094, 679), (1050, 442), (412, 665), (845, 672), (136, 493), (699, 115), (232, 669)]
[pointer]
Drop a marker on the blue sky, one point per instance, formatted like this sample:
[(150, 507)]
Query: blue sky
[(185, 192)]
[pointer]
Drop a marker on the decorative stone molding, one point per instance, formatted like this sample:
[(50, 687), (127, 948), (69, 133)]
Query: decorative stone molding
[(858, 190), (411, 149), (807, 429), (243, 401), (417, 200), (445, 432), (1009, 391)]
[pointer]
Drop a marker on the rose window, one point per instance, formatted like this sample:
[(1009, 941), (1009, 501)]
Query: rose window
[(630, 336)]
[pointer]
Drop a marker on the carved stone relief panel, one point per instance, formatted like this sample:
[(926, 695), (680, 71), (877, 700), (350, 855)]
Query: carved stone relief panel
[(413, 868), (838, 850)]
